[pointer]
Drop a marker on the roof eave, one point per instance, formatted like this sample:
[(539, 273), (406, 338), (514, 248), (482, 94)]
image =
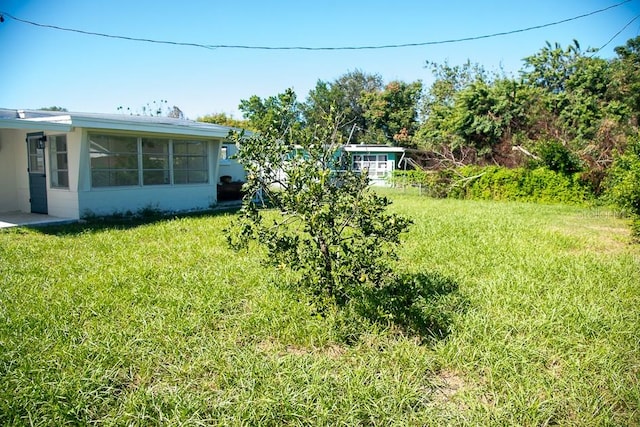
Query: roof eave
[(94, 123), (373, 149), (31, 125)]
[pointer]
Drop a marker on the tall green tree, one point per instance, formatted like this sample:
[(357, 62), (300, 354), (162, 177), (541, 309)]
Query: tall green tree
[(276, 115), (437, 131), (552, 66), (344, 95), (392, 114), (623, 182), (625, 83)]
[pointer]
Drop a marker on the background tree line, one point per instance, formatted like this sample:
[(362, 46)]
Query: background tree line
[(567, 111)]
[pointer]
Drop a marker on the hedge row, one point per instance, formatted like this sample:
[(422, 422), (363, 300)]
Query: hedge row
[(539, 185)]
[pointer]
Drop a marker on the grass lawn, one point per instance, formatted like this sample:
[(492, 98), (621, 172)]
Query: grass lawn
[(160, 323)]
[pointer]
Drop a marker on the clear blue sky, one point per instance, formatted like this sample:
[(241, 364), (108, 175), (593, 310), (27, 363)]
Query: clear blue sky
[(41, 67)]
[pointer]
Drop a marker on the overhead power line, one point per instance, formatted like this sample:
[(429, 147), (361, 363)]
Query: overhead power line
[(616, 35), (387, 46)]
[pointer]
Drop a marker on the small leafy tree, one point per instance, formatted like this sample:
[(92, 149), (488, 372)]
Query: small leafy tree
[(328, 225)]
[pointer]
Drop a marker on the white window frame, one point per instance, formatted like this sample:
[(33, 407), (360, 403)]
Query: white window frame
[(54, 168), (171, 155), (375, 165), (146, 153)]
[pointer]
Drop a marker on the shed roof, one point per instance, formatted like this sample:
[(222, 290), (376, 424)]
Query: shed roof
[(372, 148)]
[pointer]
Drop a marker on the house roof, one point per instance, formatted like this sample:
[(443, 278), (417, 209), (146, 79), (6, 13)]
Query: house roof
[(66, 121)]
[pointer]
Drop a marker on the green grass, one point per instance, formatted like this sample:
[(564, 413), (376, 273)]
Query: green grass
[(160, 323)]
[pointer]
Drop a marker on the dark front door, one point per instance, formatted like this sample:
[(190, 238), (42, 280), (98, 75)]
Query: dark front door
[(37, 176)]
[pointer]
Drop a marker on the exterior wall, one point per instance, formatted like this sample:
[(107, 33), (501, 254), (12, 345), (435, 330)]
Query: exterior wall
[(106, 201), (63, 202), (14, 191), (230, 167), (10, 155)]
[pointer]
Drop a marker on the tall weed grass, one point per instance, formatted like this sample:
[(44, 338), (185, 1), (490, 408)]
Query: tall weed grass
[(161, 324)]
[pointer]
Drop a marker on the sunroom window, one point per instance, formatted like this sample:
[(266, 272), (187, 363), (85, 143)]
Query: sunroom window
[(114, 160), (155, 161), (190, 163), (118, 160)]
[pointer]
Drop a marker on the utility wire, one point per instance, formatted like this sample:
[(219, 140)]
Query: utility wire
[(615, 35), (388, 46)]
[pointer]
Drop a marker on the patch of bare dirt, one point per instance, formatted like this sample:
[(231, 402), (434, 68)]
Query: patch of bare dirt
[(448, 385), (595, 237), (276, 348)]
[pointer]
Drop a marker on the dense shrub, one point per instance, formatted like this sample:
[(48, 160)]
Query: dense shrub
[(623, 183), (557, 157), (540, 185)]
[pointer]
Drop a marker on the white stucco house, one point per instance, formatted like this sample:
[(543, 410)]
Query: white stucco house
[(71, 165)]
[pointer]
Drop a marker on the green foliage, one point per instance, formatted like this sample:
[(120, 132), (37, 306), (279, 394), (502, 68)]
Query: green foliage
[(625, 84), (438, 105), (552, 66), (331, 229), (623, 183), (475, 119), (431, 183), (344, 95), (564, 94), (403, 178), (370, 113), (557, 157), (539, 185), (280, 114), (224, 120), (393, 112)]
